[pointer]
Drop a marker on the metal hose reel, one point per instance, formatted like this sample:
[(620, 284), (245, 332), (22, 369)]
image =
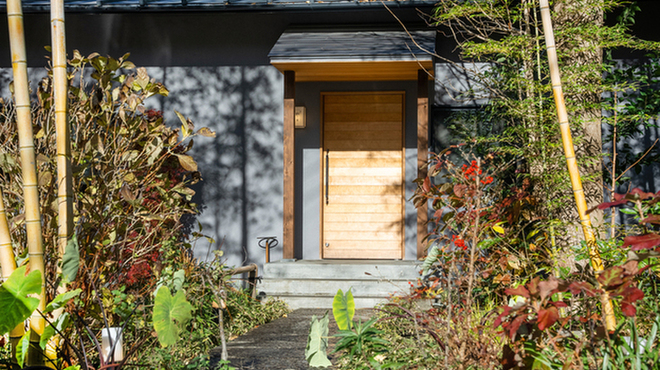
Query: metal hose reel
[(267, 243)]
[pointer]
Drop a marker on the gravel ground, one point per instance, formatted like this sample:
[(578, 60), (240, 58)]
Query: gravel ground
[(278, 345)]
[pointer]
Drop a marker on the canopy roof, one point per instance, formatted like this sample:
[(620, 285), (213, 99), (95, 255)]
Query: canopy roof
[(354, 55)]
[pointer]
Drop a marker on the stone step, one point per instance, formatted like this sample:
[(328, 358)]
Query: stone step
[(329, 287), (340, 269), (313, 284), (296, 302)]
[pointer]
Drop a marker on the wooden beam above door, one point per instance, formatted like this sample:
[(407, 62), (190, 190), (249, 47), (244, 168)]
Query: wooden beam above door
[(398, 70)]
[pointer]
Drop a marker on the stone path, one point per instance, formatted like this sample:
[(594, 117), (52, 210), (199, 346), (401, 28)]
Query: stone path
[(278, 345)]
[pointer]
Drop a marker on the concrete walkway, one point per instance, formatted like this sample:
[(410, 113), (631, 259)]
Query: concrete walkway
[(278, 345)]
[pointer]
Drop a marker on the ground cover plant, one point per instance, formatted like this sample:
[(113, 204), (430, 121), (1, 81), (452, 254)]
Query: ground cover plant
[(134, 228), (511, 284)]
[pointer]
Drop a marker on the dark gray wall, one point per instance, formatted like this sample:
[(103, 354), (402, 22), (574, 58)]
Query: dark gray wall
[(216, 66)]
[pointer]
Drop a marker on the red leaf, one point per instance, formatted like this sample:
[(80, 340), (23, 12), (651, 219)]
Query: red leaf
[(519, 290), (652, 219), (607, 205), (515, 324), (533, 286), (578, 287), (547, 317), (628, 309), (438, 213), (559, 304), (639, 242), (611, 276), (642, 195), (631, 267), (459, 190), (632, 294), (546, 287), (427, 185)]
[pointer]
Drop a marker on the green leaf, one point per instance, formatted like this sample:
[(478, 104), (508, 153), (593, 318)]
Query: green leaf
[(170, 314), (317, 342), (60, 324), (430, 259), (61, 300), (70, 260), (22, 348), (15, 304), (343, 309)]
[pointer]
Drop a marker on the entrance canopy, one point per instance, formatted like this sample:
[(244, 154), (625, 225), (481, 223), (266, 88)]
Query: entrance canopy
[(354, 55)]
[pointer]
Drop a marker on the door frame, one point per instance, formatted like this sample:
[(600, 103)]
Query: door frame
[(403, 161)]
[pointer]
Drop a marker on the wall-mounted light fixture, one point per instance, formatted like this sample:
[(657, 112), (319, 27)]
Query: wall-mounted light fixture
[(300, 117)]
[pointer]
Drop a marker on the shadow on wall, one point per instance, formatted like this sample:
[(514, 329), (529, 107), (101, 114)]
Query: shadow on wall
[(241, 191)]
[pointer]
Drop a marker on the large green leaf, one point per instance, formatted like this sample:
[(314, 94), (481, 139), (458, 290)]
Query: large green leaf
[(343, 309), (70, 260), (170, 313), (22, 348), (317, 342), (15, 304)]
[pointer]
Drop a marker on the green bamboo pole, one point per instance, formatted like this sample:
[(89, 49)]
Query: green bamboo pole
[(571, 162), (64, 178), (28, 164), (8, 265)]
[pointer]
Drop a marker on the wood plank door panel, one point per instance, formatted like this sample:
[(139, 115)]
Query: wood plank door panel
[(363, 176)]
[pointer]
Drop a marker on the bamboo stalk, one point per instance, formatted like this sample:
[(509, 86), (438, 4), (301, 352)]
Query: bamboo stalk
[(28, 162), (569, 152), (64, 177), (8, 265)]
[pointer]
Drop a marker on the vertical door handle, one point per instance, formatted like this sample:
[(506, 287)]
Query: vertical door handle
[(327, 177)]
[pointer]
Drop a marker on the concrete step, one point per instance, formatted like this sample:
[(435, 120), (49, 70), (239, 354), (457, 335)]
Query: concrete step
[(296, 302), (324, 287), (343, 269), (313, 284)]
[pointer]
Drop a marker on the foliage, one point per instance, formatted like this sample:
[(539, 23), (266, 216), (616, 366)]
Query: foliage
[(540, 333), (343, 309), (15, 300), (363, 334), (519, 116), (170, 314), (317, 342), (133, 211)]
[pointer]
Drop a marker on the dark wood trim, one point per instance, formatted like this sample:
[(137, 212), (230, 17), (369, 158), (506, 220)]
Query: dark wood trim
[(422, 155), (288, 235)]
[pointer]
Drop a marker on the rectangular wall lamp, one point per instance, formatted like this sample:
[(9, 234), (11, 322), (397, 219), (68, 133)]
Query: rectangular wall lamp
[(300, 117)]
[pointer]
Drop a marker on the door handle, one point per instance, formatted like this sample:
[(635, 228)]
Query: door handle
[(327, 177)]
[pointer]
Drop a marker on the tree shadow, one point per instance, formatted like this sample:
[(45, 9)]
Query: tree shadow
[(241, 168)]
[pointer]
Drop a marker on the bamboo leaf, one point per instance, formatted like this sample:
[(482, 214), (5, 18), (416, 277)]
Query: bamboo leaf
[(15, 304)]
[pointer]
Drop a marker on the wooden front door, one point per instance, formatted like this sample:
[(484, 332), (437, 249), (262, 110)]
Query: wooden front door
[(363, 194)]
